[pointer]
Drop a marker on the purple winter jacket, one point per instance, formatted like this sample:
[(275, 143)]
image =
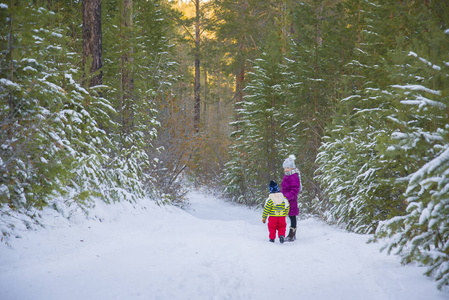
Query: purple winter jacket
[(290, 188)]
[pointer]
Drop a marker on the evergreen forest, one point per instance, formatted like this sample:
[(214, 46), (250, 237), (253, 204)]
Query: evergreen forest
[(117, 100)]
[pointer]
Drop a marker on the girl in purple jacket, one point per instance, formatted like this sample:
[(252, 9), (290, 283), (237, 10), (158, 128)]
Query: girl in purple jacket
[(290, 188)]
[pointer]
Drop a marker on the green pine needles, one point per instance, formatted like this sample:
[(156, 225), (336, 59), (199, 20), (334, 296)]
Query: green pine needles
[(62, 143), (383, 162)]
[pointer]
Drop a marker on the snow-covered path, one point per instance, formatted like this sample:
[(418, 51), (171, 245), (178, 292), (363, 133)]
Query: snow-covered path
[(215, 251)]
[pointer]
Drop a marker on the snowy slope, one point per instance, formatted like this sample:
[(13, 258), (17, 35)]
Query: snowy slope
[(214, 251)]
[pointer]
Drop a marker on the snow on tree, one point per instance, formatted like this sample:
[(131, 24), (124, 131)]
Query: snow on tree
[(259, 135), (60, 145), (51, 142), (423, 233), (351, 171)]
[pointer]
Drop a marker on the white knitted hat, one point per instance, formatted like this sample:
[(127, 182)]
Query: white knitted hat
[(289, 162)]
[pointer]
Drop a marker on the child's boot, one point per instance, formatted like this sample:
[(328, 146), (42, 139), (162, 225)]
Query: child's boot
[(281, 239), (271, 240), (291, 235)]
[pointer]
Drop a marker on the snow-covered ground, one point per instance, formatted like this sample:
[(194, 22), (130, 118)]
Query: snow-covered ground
[(216, 250)]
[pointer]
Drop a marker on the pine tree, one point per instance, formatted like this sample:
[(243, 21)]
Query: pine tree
[(52, 133), (241, 28), (255, 158), (358, 180), (142, 57), (421, 141), (307, 87), (60, 140), (314, 62)]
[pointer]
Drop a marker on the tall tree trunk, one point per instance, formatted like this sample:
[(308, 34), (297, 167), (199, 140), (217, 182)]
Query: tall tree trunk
[(92, 42), (318, 43), (127, 80), (197, 100), (205, 106), (239, 81), (240, 74), (11, 63)]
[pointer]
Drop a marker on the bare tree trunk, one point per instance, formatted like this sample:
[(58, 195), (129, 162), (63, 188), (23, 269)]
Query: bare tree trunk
[(318, 43), (206, 116), (127, 80), (197, 104), (92, 42), (239, 81), (11, 77)]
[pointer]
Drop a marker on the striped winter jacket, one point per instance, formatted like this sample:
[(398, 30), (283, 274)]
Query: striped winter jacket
[(276, 206)]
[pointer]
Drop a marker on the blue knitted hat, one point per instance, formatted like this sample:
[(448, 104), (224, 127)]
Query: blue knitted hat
[(274, 187)]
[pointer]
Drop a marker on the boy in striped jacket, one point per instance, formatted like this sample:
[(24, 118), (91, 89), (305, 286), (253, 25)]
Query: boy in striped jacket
[(276, 208)]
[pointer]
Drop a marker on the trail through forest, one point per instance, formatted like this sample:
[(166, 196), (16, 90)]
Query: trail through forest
[(214, 250)]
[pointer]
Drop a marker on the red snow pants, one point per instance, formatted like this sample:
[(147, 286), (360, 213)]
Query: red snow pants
[(276, 223)]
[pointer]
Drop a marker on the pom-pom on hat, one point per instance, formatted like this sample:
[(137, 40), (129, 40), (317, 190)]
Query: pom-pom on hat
[(274, 187), (289, 162)]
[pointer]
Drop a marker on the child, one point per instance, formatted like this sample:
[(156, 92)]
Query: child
[(276, 207), (290, 187)]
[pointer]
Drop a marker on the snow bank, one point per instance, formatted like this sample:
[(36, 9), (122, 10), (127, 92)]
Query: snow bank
[(215, 250)]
